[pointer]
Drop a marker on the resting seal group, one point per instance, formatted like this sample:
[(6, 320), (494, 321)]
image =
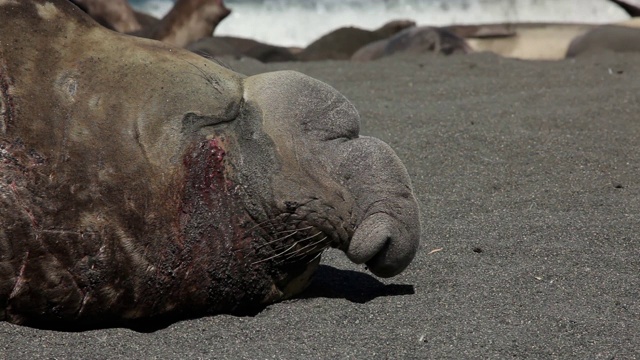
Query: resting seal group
[(139, 180)]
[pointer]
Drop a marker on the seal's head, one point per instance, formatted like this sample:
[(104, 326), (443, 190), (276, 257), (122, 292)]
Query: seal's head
[(351, 188), (138, 179)]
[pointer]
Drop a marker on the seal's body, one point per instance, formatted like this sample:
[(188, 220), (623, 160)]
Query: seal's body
[(341, 43), (139, 180), (117, 15), (613, 38), (414, 40), (188, 21)]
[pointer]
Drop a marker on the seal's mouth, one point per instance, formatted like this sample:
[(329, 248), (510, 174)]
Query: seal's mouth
[(301, 232), (291, 250), (292, 246)]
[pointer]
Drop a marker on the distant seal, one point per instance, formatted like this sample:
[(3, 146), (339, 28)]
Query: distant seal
[(483, 31), (139, 180), (416, 40), (117, 15), (214, 46), (632, 7), (145, 20), (259, 50), (187, 22), (605, 38), (534, 41), (340, 44)]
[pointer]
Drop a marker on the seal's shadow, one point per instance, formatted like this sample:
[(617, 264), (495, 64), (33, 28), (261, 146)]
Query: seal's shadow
[(354, 286), (328, 282)]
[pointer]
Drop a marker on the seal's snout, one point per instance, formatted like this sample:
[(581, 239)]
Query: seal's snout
[(382, 243), (388, 234), (316, 132)]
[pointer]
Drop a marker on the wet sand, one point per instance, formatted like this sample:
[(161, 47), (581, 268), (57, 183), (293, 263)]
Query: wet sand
[(528, 176)]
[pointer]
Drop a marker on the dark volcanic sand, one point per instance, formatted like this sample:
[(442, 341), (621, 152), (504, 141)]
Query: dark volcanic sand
[(528, 175)]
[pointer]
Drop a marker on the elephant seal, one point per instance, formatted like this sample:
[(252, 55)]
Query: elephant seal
[(631, 7), (145, 20), (415, 40), (531, 41), (488, 31), (213, 46), (258, 50), (605, 38), (188, 21), (340, 44), (139, 180), (117, 15)]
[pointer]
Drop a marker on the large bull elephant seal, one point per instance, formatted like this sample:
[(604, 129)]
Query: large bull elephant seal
[(139, 180)]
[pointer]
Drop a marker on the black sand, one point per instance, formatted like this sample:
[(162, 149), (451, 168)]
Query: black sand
[(528, 174)]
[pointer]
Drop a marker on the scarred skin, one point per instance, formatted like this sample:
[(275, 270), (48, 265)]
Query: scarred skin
[(139, 180)]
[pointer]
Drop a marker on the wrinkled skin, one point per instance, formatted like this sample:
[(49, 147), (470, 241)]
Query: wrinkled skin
[(139, 180)]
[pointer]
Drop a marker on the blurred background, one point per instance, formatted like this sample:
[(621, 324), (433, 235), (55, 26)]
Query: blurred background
[(298, 22)]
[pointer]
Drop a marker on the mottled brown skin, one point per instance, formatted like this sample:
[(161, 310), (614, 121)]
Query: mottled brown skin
[(140, 181), (117, 15), (188, 21), (340, 44)]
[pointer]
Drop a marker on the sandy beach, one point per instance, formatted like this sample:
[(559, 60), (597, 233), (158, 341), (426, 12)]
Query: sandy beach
[(528, 177)]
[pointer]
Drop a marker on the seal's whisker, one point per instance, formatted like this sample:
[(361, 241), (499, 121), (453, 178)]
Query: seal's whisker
[(295, 230), (297, 242), (274, 256), (292, 233), (276, 240), (311, 245), (269, 222), (285, 251), (316, 256)]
